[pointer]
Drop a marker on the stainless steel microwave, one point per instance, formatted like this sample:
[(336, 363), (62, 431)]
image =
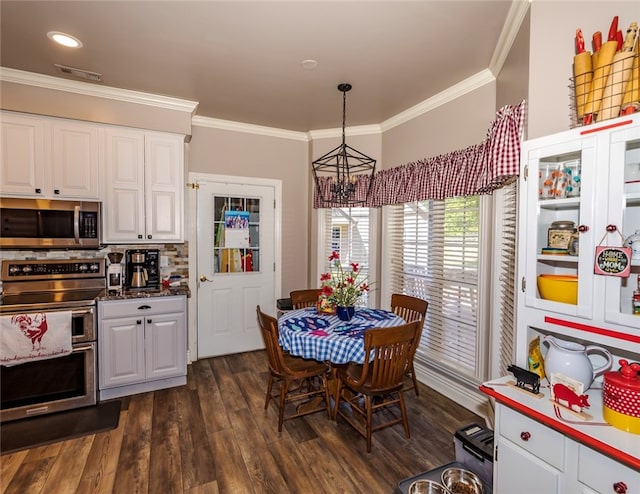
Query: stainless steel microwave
[(49, 224)]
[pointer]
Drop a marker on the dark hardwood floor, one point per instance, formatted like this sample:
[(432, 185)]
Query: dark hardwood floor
[(213, 436)]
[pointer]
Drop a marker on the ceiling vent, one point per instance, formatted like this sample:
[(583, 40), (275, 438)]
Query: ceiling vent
[(79, 73)]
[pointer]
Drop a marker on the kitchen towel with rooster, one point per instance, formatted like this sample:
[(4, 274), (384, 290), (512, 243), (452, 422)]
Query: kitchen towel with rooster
[(34, 336)]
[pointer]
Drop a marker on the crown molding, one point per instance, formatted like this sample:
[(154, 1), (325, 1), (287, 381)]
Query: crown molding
[(515, 17), (470, 84), (89, 89), (358, 130), (216, 123)]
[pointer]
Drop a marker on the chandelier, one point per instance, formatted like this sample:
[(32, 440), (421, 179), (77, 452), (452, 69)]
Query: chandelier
[(339, 175)]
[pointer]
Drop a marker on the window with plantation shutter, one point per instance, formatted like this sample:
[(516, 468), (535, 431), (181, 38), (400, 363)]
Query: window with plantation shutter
[(431, 252), (504, 311), (346, 231)]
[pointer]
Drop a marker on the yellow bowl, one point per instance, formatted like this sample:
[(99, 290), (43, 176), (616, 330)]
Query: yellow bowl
[(559, 287)]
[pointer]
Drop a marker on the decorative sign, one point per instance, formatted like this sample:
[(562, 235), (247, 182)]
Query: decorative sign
[(613, 261)]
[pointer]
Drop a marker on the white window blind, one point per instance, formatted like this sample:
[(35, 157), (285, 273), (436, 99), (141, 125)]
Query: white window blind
[(347, 231), (433, 254)]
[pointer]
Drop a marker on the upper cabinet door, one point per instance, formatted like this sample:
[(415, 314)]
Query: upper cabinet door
[(22, 156), (74, 170), (143, 198), (123, 208), (164, 184), (559, 211), (624, 213), (49, 157)]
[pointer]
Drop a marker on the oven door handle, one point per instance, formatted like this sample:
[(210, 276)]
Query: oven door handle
[(82, 348)]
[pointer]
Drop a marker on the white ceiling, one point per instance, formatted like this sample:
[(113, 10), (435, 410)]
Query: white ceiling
[(242, 60)]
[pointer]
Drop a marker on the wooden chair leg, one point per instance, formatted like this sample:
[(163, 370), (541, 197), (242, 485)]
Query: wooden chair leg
[(327, 398), (284, 385), (415, 381), (336, 405), (269, 388), (368, 406), (405, 419)]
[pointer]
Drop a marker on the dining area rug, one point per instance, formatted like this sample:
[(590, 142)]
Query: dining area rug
[(46, 429)]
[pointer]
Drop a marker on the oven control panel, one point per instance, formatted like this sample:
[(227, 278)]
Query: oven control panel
[(47, 269)]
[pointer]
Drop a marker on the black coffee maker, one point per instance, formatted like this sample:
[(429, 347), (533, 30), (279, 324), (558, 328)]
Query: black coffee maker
[(142, 269)]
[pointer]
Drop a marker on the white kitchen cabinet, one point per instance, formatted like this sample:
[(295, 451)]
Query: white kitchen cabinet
[(49, 157), (540, 447), (142, 345), (607, 196), (144, 182), (531, 458)]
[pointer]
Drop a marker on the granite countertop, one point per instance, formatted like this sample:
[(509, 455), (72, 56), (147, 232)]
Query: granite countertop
[(160, 292)]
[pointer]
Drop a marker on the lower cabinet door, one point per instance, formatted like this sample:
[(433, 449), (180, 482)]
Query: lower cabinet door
[(121, 351), (520, 472), (166, 353)]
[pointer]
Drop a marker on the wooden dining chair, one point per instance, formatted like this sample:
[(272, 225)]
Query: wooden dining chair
[(298, 379), (304, 298), (381, 376), (411, 309)]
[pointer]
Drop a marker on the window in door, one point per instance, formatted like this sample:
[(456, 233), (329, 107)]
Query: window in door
[(237, 234)]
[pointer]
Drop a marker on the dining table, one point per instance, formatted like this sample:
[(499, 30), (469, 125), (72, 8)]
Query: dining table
[(325, 337)]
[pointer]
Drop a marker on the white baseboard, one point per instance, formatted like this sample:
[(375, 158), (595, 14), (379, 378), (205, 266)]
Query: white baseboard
[(473, 400)]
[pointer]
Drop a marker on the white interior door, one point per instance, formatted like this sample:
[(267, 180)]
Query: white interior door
[(236, 237)]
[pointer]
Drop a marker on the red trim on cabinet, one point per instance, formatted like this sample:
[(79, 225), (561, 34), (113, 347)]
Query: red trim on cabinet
[(605, 448), (593, 329), (605, 127)]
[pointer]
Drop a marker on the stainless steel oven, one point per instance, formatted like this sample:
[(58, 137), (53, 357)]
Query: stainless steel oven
[(60, 383)]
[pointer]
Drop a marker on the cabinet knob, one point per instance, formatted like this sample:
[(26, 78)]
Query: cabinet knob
[(140, 236), (144, 307), (583, 228), (139, 321), (38, 191), (525, 436), (611, 228), (149, 237), (620, 488), (56, 191), (149, 321)]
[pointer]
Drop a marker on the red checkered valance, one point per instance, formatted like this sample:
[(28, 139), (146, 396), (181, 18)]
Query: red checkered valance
[(478, 169)]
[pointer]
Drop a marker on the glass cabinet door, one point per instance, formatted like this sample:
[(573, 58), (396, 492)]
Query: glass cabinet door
[(624, 213), (559, 207)]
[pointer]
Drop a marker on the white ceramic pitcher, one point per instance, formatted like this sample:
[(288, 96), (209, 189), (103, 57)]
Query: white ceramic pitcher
[(572, 360)]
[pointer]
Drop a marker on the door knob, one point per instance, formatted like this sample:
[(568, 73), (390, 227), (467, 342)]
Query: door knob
[(203, 278)]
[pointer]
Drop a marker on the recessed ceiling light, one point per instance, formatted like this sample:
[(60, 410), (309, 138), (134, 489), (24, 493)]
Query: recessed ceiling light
[(309, 64), (64, 39)]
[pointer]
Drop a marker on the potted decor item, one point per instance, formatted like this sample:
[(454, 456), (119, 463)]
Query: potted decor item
[(343, 287)]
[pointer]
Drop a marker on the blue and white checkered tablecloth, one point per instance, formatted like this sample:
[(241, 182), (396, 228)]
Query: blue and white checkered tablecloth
[(326, 338)]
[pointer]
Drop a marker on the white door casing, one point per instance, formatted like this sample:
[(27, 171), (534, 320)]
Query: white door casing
[(226, 301)]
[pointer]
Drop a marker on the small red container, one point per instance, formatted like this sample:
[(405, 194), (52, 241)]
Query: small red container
[(621, 397)]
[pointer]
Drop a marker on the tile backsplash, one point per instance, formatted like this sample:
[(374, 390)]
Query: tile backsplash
[(177, 256)]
